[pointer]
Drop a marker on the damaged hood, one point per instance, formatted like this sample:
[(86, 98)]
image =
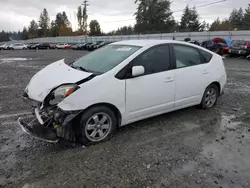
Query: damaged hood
[(52, 76)]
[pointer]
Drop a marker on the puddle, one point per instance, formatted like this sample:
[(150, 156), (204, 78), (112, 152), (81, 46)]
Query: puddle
[(227, 123), (229, 153)]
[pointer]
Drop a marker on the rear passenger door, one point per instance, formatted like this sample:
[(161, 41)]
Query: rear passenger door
[(192, 73)]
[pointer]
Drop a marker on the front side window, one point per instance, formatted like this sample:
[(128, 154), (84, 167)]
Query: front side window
[(105, 59), (186, 56), (154, 60)]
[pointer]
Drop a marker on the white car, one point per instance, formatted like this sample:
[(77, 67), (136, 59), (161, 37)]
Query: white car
[(118, 84), (63, 46), (18, 46)]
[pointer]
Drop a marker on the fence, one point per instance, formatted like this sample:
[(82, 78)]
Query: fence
[(200, 36)]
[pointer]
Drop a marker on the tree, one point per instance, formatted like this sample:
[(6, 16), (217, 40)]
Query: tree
[(61, 25), (223, 25), (44, 23), (236, 18), (95, 29), (79, 18), (33, 28), (65, 31), (246, 20), (4, 36), (24, 34), (153, 16), (190, 20), (54, 30)]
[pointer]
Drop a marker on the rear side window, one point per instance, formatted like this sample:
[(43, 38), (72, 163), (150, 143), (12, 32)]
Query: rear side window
[(186, 56), (206, 56)]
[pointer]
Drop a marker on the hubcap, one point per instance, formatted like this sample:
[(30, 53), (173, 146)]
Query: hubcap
[(98, 127), (210, 98)]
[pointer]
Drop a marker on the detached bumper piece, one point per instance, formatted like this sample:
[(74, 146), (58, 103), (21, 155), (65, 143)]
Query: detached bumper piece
[(38, 131)]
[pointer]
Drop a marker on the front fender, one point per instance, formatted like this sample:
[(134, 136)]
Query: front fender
[(98, 90)]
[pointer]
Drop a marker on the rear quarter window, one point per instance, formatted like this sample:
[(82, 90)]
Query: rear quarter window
[(206, 56)]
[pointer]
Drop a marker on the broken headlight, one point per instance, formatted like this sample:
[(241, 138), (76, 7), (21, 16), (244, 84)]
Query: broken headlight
[(60, 93)]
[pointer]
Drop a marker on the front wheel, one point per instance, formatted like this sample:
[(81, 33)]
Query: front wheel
[(97, 124), (210, 96)]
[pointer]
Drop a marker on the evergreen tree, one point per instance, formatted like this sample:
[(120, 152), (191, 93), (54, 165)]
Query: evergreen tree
[(190, 20), (237, 18), (95, 29), (79, 18), (33, 29), (153, 16), (24, 34), (246, 20), (44, 23)]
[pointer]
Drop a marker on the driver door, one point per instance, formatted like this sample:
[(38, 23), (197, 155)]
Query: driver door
[(153, 92)]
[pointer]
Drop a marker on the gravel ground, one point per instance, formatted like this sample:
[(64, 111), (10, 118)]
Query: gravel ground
[(187, 148)]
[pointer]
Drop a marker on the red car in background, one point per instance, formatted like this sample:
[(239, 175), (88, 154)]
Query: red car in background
[(222, 45), (63, 46)]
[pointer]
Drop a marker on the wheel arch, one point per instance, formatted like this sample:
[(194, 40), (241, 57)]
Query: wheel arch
[(110, 106), (217, 84)]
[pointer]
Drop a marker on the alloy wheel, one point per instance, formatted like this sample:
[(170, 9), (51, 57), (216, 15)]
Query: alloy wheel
[(98, 127), (211, 97)]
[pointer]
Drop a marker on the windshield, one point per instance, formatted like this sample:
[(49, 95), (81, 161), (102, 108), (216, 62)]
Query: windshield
[(105, 59)]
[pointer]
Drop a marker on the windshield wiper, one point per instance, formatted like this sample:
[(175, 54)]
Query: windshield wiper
[(81, 68)]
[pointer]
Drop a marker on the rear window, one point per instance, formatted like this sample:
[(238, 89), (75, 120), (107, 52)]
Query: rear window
[(238, 42), (206, 56)]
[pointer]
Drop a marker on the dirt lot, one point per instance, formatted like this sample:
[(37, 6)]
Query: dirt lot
[(188, 148)]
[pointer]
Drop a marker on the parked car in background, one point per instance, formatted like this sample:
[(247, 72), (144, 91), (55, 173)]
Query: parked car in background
[(217, 45), (221, 45), (34, 46), (42, 46), (208, 44), (195, 42), (239, 47), (52, 46), (63, 46), (3, 47), (29, 45), (95, 45), (119, 84), (87, 46), (79, 46), (18, 46)]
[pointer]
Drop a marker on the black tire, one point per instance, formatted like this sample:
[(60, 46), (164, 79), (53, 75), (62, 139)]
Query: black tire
[(204, 103), (86, 116)]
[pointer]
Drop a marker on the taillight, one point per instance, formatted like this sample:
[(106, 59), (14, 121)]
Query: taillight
[(246, 45)]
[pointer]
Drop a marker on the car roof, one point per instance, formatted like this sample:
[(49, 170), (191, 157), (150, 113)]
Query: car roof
[(143, 43)]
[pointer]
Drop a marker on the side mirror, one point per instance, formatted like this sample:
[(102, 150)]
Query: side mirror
[(138, 71)]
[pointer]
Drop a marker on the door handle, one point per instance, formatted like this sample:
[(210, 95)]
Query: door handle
[(169, 79)]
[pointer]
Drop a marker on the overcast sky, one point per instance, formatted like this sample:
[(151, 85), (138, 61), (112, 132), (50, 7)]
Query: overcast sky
[(15, 14)]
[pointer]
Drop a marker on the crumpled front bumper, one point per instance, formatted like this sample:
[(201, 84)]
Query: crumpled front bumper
[(38, 131), (59, 125)]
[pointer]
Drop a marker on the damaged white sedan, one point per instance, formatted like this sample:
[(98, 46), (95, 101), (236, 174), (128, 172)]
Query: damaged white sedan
[(127, 81)]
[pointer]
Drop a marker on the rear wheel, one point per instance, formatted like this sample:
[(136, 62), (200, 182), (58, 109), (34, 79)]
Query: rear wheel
[(210, 96), (97, 124)]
